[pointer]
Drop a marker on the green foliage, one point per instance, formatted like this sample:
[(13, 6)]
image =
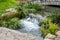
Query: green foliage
[(47, 27), (55, 18), (25, 8), (52, 28), (35, 6), (6, 4), (13, 23)]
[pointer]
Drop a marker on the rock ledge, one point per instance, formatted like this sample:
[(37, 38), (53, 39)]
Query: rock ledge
[(8, 34)]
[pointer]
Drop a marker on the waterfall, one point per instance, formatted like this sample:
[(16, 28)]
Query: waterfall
[(30, 25)]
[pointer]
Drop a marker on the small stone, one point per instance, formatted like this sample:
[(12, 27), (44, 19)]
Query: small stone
[(57, 38), (50, 36), (57, 33)]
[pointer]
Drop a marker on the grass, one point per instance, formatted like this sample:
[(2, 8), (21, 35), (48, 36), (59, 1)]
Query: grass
[(4, 4)]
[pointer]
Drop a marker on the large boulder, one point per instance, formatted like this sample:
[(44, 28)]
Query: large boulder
[(8, 34)]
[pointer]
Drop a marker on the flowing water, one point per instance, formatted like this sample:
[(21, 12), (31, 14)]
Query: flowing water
[(31, 25)]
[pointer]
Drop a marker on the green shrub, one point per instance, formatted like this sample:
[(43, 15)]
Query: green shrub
[(22, 12), (25, 8), (55, 18), (13, 23), (52, 28), (35, 6), (47, 27), (6, 4)]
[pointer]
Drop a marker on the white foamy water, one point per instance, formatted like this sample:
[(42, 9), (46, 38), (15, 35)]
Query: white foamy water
[(30, 25)]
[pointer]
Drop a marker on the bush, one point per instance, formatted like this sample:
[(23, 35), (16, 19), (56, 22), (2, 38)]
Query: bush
[(25, 8), (55, 18), (13, 23), (35, 6), (6, 4), (47, 27)]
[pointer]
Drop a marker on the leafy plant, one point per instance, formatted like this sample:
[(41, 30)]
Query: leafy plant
[(55, 18), (48, 27), (13, 23), (35, 6), (52, 28), (25, 8)]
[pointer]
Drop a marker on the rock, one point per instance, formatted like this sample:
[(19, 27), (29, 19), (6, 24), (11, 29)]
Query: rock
[(53, 37), (31, 15), (47, 39), (37, 16), (57, 33), (9, 13), (50, 36), (8, 34), (12, 10), (57, 38)]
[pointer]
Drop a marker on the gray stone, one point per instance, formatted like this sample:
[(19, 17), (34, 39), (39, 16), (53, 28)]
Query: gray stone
[(57, 38), (8, 34), (12, 10), (57, 33), (50, 36), (37, 16)]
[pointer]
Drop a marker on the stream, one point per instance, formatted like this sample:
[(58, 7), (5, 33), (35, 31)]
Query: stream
[(31, 25)]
